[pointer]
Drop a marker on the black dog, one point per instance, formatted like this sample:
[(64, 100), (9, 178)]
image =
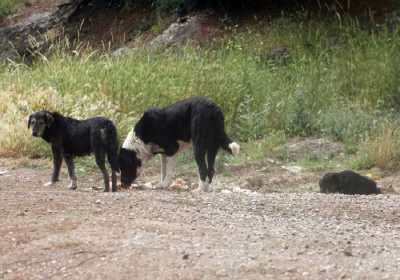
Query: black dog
[(70, 137), (197, 121), (347, 182)]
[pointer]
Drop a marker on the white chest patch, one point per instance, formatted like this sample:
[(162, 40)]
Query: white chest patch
[(147, 151), (133, 143)]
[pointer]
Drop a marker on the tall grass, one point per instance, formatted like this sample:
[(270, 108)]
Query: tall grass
[(381, 149), (340, 80)]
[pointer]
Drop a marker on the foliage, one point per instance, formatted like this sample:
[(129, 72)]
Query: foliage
[(339, 80), (8, 6)]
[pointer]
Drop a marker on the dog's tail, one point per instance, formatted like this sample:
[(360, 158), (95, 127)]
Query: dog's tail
[(112, 145), (228, 145), (225, 142)]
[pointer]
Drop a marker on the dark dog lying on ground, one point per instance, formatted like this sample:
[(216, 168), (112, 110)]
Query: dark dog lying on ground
[(70, 137), (195, 121), (347, 182)]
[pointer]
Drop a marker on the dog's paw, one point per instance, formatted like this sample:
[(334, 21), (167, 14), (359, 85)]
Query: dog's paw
[(48, 184), (204, 186), (73, 185)]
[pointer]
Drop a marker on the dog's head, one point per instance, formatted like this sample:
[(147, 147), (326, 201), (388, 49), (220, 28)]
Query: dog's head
[(129, 166), (39, 122), (329, 183)]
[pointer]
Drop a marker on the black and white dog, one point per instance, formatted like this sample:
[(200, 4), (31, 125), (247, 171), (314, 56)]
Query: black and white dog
[(70, 137), (197, 121)]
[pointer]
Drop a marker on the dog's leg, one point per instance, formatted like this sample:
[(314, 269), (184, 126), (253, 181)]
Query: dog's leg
[(211, 155), (57, 161), (113, 160), (169, 172), (199, 155), (101, 163), (113, 180), (71, 172), (163, 167)]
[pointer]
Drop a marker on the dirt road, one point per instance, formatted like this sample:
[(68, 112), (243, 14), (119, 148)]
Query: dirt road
[(53, 233)]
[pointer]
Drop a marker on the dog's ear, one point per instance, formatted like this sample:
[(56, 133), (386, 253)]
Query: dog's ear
[(29, 121), (49, 119)]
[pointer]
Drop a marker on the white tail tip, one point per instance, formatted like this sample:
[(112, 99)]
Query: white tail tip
[(235, 148)]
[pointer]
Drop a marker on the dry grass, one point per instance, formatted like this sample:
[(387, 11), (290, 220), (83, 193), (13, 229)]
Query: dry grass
[(381, 150), (14, 110)]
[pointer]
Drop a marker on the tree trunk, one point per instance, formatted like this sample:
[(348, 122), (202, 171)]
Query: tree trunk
[(35, 33)]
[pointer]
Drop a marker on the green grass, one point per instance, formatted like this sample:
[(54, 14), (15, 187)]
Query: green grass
[(8, 6), (340, 81)]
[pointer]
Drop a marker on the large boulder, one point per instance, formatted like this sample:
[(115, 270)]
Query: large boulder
[(178, 33), (34, 33)]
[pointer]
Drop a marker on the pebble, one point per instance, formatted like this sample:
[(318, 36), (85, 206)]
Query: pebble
[(348, 252)]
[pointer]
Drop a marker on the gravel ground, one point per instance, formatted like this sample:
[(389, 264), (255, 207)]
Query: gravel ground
[(53, 233)]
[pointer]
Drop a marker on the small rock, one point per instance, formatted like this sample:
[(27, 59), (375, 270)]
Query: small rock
[(120, 51), (226, 191), (2, 172), (348, 252), (293, 169), (185, 256), (98, 201)]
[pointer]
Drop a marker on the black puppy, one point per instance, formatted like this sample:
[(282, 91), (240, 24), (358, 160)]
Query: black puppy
[(347, 182), (70, 137), (195, 121)]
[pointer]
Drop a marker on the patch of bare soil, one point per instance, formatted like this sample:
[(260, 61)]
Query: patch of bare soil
[(107, 27), (232, 233), (29, 8)]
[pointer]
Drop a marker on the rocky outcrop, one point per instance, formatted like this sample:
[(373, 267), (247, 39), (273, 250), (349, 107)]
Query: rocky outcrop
[(178, 33), (35, 33)]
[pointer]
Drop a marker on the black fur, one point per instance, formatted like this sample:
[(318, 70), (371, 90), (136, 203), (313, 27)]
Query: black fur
[(129, 165), (197, 120), (70, 138), (347, 182)]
